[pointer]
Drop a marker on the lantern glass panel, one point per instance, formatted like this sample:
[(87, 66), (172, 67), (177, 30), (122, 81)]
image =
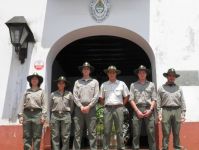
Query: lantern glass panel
[(15, 34)]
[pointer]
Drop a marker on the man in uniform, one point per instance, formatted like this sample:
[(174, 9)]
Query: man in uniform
[(171, 101), (114, 95), (85, 93), (143, 100)]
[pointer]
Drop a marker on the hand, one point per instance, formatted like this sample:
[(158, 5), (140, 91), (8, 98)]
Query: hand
[(42, 120), (147, 113), (182, 119), (82, 109), (46, 124), (21, 120), (85, 109), (139, 114), (160, 118)]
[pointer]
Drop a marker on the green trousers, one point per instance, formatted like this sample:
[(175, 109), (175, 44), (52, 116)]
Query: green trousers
[(32, 129), (90, 120), (113, 115), (171, 119), (60, 130), (150, 129)]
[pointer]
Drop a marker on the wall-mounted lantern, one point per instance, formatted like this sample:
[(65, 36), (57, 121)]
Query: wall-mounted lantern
[(20, 35)]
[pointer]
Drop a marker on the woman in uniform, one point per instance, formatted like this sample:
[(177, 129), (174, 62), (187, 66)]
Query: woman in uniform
[(33, 110), (61, 107)]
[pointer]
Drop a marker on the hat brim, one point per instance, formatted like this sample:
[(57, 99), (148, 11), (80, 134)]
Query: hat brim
[(136, 71), (91, 68), (66, 81), (166, 74), (40, 78), (107, 70)]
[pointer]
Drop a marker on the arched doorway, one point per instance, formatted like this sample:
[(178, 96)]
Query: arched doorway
[(96, 31), (100, 51), (101, 46)]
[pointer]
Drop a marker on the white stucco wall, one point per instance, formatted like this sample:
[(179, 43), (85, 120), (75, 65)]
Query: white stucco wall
[(63, 17), (170, 27), (174, 36), (13, 74)]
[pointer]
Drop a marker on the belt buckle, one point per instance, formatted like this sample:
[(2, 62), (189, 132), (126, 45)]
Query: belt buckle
[(60, 112), (31, 109)]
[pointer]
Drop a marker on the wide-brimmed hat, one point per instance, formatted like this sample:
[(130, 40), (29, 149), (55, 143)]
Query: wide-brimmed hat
[(86, 64), (112, 68), (35, 74), (141, 67), (171, 71), (62, 78)]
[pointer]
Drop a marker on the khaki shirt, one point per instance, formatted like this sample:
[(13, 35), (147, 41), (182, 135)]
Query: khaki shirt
[(170, 96), (61, 102), (113, 92), (143, 94), (86, 92), (33, 100)]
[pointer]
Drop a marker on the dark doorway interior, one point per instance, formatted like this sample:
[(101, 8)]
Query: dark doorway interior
[(101, 51)]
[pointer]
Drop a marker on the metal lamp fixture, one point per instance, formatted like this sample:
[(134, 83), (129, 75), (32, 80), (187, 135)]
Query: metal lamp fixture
[(20, 35)]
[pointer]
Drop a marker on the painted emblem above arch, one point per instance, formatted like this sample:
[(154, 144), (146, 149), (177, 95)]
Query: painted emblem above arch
[(100, 9)]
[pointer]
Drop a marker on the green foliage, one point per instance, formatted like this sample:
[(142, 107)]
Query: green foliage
[(100, 120)]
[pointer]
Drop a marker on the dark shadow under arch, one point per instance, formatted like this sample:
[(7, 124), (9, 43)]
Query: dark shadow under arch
[(101, 51)]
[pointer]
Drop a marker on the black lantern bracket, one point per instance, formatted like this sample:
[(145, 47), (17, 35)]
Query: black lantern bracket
[(20, 36)]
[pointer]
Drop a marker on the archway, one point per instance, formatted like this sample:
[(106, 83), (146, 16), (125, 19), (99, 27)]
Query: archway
[(97, 31), (101, 46), (100, 51)]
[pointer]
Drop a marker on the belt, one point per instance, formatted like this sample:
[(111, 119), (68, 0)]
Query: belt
[(170, 107), (143, 105), (114, 106), (85, 104), (61, 112), (32, 109)]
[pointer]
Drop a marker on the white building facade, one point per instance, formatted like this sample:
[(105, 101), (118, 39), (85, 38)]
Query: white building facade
[(167, 31)]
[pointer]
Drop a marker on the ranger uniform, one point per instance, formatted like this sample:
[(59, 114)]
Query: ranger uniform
[(33, 109), (171, 108), (113, 94), (61, 107), (143, 94), (85, 94)]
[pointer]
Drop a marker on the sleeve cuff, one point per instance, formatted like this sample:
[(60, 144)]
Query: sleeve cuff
[(20, 115), (159, 112), (79, 105), (91, 105), (131, 99), (44, 115), (183, 114)]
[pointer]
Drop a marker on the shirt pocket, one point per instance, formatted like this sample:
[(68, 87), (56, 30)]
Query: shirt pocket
[(148, 93), (107, 91), (177, 95), (118, 91), (66, 100), (55, 100), (91, 87), (137, 92)]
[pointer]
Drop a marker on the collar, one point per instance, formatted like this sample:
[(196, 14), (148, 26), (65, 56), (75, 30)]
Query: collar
[(146, 81), (170, 84), (116, 82), (34, 90), (60, 93), (89, 79)]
